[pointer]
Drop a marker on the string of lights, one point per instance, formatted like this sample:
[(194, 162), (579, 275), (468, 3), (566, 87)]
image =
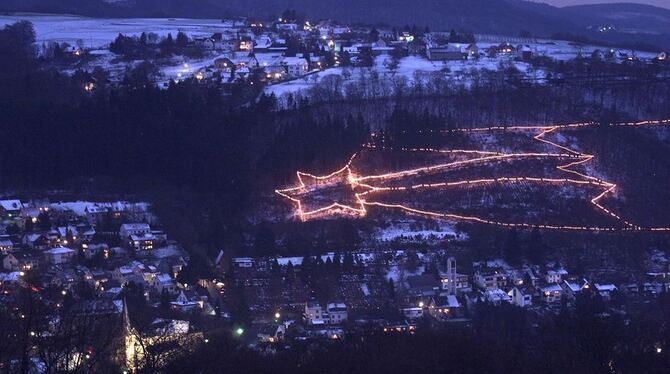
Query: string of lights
[(363, 189)]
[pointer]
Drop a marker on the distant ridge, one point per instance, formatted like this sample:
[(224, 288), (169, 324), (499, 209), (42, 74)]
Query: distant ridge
[(632, 23)]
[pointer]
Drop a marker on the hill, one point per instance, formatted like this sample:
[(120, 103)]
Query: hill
[(632, 23)]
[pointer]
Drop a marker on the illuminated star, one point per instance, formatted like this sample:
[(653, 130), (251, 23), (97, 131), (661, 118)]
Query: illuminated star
[(335, 193)]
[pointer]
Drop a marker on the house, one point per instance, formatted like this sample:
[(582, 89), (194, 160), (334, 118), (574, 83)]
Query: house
[(423, 285), (95, 213), (605, 290), (262, 44), (6, 245), (516, 277), (142, 242), (30, 213), (571, 288), (524, 52), (246, 45), (164, 282), (444, 307), (183, 303), (20, 261), (122, 274), (10, 278), (555, 276), (490, 279), (415, 307), (337, 313), (450, 52), (243, 262), (405, 37), (92, 250), (289, 26), (314, 314), (334, 314), (275, 73), (471, 50), (412, 312), (59, 255), (461, 284), (496, 296), (128, 229), (36, 241), (521, 296), (295, 66), (10, 208), (66, 233), (271, 333), (552, 293), (223, 63)]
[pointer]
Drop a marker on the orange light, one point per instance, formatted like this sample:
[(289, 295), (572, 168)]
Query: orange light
[(485, 157)]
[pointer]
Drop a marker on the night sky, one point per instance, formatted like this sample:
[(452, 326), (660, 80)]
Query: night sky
[(661, 3)]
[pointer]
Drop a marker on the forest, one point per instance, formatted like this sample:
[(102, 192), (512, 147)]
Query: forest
[(210, 162)]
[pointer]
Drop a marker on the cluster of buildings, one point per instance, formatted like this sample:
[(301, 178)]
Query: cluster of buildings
[(102, 246), (440, 293), (286, 49)]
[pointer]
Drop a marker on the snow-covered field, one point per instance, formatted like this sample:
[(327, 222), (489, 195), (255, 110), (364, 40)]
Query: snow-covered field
[(98, 32), (410, 67), (406, 231)]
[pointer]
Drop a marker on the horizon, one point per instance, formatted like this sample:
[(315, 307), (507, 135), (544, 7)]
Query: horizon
[(564, 3)]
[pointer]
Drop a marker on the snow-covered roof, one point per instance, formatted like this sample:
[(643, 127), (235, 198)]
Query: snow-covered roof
[(337, 307), (10, 277), (11, 204), (171, 326), (605, 287), (148, 236), (554, 287), (294, 61), (164, 278), (496, 295), (574, 287), (452, 302), (135, 226), (59, 251)]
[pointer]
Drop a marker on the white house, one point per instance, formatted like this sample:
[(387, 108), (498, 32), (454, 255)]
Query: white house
[(295, 66), (10, 208), (337, 313), (490, 279), (59, 255), (521, 296), (555, 276), (412, 312), (552, 293), (128, 229), (164, 282), (572, 288), (143, 242), (314, 314), (496, 296)]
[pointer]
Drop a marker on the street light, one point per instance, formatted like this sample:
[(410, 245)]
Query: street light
[(277, 315), (239, 331)]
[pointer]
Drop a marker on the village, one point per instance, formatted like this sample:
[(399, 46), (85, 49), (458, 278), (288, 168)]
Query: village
[(288, 54), (91, 256), (298, 186)]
